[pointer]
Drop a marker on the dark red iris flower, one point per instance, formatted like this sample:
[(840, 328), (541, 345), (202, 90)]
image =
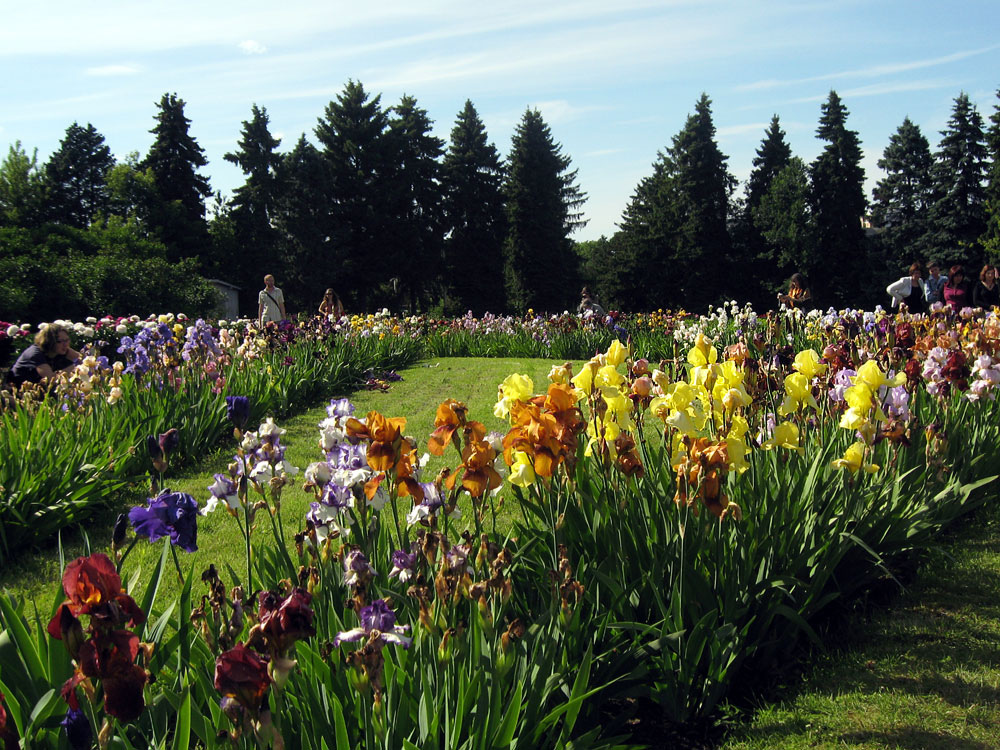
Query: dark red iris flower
[(241, 674)]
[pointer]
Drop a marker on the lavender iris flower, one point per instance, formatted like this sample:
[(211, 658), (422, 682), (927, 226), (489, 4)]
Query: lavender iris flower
[(340, 407), (173, 514)]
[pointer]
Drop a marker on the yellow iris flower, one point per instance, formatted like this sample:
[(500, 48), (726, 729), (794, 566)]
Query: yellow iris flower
[(786, 435), (797, 394), (616, 353), (807, 362), (514, 388), (522, 472), (854, 459), (871, 375)]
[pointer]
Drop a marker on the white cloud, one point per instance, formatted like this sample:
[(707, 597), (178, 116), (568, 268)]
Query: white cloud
[(750, 127), (114, 70), (252, 47), (880, 89), (869, 72)]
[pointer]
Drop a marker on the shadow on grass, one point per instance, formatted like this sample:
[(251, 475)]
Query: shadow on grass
[(914, 738)]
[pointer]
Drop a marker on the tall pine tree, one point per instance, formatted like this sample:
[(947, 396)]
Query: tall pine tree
[(760, 256), (991, 239), (903, 197), (838, 207), (76, 177), (302, 222), (676, 244), (474, 217), (415, 194), (252, 209), (352, 134), (543, 206), (958, 215), (174, 159)]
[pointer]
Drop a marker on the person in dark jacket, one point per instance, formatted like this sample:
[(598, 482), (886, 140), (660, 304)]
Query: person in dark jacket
[(986, 294), (51, 353)]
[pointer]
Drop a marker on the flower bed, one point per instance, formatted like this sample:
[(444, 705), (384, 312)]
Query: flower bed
[(676, 524)]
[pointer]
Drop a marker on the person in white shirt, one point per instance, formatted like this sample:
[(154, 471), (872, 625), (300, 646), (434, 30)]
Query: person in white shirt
[(270, 302)]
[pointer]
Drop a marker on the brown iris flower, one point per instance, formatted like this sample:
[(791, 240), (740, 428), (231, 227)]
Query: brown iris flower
[(385, 436), (478, 475)]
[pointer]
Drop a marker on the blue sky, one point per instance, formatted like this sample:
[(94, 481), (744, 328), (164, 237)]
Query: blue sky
[(615, 80)]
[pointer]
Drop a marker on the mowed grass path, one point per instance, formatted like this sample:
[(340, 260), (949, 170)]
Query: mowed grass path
[(922, 673)]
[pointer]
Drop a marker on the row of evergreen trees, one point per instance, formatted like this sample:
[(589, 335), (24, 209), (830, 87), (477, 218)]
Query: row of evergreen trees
[(684, 231), (384, 212)]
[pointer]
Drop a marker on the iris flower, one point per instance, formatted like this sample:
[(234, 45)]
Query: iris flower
[(173, 514), (854, 459), (378, 619), (786, 435)]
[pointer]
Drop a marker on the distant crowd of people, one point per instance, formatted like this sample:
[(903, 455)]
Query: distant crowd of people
[(916, 294)]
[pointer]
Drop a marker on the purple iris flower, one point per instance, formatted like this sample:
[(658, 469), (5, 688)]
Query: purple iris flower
[(352, 457), (78, 730), (378, 618), (169, 441), (173, 514), (238, 410), (404, 565), (336, 496)]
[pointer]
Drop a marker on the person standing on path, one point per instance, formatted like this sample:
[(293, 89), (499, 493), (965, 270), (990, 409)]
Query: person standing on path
[(270, 303)]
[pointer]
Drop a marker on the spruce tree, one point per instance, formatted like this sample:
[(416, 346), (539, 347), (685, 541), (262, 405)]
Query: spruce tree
[(838, 207), (415, 195), (543, 207), (76, 177), (302, 223), (253, 205), (785, 222), (903, 197), (757, 254), (772, 156), (174, 159), (676, 245), (958, 215), (352, 134), (474, 217), (991, 239)]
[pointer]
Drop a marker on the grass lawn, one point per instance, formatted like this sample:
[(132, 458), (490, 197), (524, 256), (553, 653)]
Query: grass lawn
[(425, 385), (923, 672)]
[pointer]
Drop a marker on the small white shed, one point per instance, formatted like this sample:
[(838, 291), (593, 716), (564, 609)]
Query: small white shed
[(229, 300)]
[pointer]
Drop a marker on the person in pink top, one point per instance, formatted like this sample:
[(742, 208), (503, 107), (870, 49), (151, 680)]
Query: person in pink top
[(957, 293)]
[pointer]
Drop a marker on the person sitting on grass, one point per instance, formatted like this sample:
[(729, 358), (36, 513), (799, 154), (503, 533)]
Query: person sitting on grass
[(51, 353)]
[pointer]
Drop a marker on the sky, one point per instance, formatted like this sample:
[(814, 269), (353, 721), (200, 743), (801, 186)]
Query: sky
[(614, 79)]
